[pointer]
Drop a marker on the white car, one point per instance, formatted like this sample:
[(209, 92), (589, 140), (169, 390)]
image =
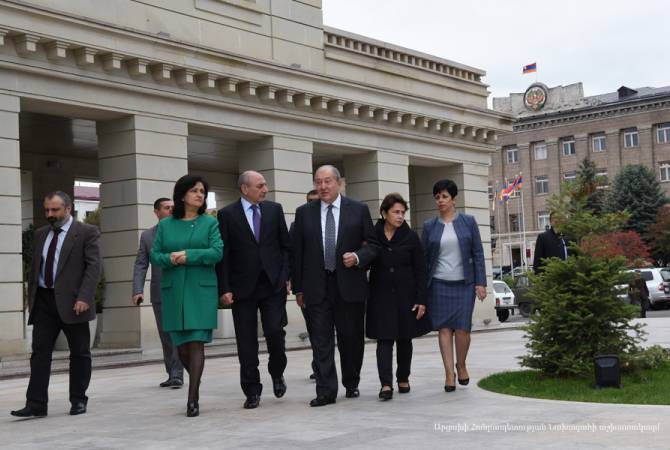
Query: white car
[(658, 283), (505, 301)]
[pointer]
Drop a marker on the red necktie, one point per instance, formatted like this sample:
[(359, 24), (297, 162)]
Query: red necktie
[(51, 255)]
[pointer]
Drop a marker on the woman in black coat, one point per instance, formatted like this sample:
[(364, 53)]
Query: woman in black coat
[(396, 307)]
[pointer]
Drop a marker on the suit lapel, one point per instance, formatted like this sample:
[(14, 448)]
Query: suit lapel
[(316, 218), (40, 239), (68, 243), (244, 223), (265, 219), (344, 209)]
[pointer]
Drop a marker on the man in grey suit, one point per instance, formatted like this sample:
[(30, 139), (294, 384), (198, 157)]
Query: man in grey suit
[(63, 278), (175, 370)]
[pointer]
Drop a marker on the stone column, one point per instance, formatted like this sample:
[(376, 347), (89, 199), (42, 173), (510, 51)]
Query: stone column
[(12, 325), (140, 158), (286, 164), (27, 200), (373, 175)]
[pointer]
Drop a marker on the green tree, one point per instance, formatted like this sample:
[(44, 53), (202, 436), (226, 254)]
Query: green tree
[(658, 236), (590, 184), (580, 312), (636, 190)]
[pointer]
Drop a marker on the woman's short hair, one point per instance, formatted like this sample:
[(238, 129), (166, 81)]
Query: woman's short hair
[(390, 200), (181, 187), (445, 185)]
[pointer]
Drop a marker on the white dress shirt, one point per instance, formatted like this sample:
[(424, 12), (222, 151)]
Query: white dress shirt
[(45, 250), (249, 212)]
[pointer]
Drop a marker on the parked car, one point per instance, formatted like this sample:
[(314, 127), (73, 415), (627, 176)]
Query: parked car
[(523, 301), (504, 300), (658, 283)]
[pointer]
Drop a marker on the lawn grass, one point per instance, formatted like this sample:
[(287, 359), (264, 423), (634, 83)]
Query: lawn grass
[(646, 387)]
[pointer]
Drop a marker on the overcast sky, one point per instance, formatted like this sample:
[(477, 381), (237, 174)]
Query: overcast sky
[(604, 44)]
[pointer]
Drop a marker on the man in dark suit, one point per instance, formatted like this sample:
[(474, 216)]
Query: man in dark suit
[(252, 276), (173, 367), (64, 275), (549, 244), (333, 243)]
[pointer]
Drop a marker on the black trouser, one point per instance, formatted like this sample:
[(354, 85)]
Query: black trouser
[(644, 307), (272, 306), (46, 326), (385, 360), (309, 334), (348, 320), (173, 366)]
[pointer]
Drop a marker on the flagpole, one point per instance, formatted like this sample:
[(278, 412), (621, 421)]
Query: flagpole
[(509, 237), (523, 228), (501, 246)]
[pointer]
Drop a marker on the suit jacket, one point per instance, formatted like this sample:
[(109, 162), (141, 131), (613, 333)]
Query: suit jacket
[(77, 274), (548, 245), (469, 241), (142, 262), (188, 291), (243, 258), (355, 234)]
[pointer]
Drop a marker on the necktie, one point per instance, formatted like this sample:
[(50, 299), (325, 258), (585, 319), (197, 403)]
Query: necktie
[(51, 255), (329, 247), (256, 219)]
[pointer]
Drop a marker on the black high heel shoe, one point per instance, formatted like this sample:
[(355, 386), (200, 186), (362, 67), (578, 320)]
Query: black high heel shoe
[(386, 394), (192, 409), (448, 388), (403, 389), (463, 381)]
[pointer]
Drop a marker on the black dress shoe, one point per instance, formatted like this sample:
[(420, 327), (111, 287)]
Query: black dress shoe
[(78, 408), (174, 383), (464, 381), (29, 412), (448, 388), (386, 394), (403, 389), (321, 401), (352, 393), (252, 402), (279, 387), (192, 409), (312, 376)]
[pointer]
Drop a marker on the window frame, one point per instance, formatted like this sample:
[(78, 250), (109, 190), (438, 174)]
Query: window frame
[(631, 132), (512, 150), (665, 129), (544, 181), (572, 145), (602, 139), (539, 144), (661, 166), (542, 216)]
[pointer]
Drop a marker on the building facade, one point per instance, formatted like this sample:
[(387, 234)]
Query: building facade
[(555, 129), (134, 94)]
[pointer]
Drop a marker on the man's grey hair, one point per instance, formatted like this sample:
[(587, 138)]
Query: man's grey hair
[(67, 201), (245, 177), (333, 169)]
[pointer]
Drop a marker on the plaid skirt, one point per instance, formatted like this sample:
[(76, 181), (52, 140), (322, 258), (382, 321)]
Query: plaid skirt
[(450, 304)]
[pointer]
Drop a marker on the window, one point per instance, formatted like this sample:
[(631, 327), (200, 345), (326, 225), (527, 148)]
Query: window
[(664, 169), (599, 142), (490, 191), (542, 220), (568, 145), (601, 174), (631, 138), (512, 155), (570, 176), (540, 150), (541, 184), (514, 223), (663, 133)]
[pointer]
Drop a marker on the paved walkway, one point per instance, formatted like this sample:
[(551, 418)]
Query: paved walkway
[(128, 411)]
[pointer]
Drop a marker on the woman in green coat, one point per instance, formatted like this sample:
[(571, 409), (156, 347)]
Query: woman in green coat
[(187, 246)]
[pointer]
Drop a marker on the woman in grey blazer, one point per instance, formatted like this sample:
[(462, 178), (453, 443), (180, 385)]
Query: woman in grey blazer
[(456, 273)]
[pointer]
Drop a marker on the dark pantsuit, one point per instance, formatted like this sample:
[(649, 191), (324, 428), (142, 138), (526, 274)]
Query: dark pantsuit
[(385, 360), (272, 306), (348, 320), (173, 366), (47, 324)]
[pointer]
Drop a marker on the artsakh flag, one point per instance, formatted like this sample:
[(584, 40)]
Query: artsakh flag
[(530, 68), (513, 186)]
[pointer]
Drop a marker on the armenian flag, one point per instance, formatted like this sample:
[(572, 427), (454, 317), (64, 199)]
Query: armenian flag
[(530, 68)]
